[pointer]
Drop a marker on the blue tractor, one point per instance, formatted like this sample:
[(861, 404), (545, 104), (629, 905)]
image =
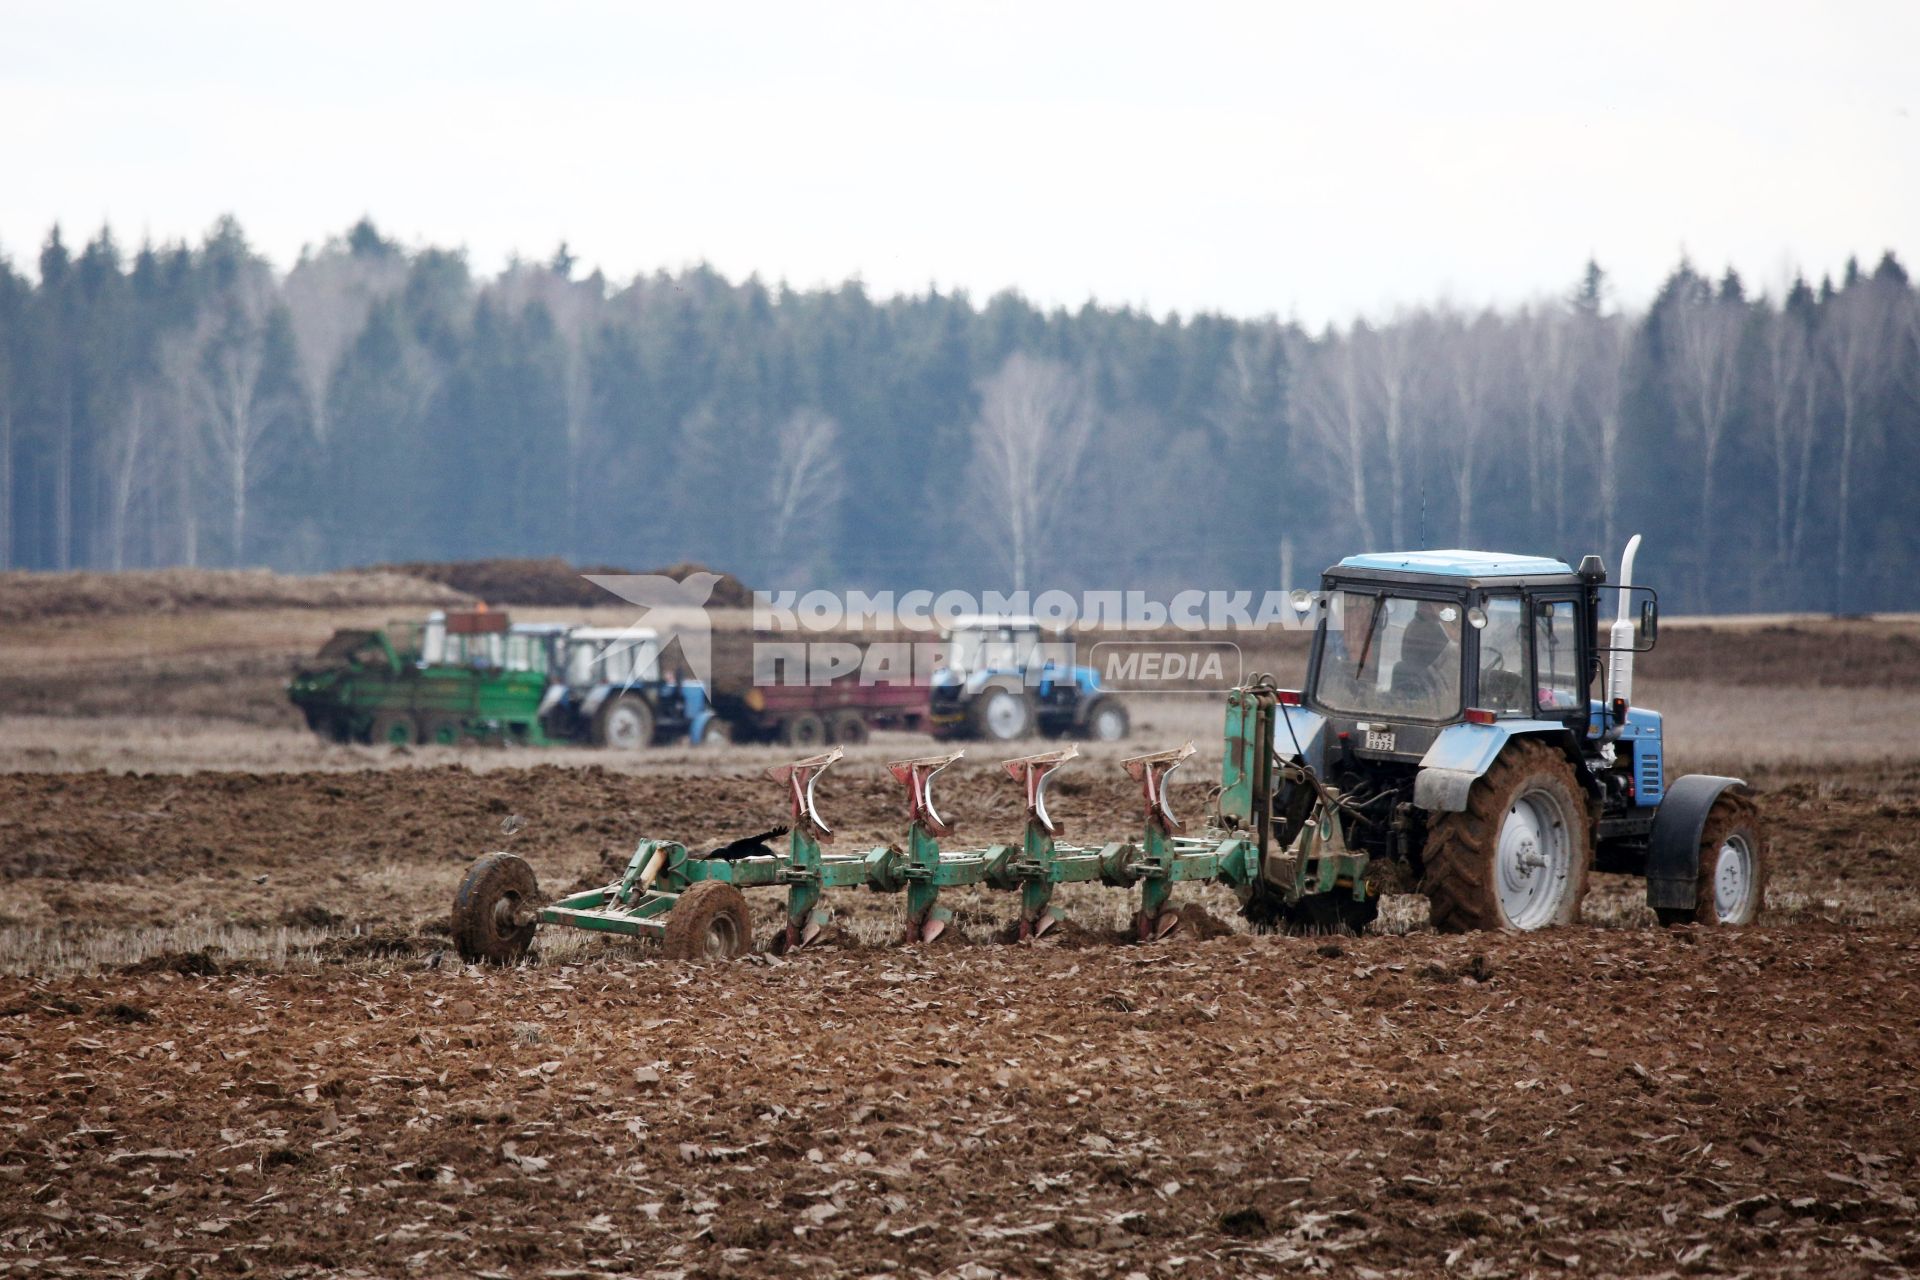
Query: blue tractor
[(1003, 682), (1462, 717), (608, 689)]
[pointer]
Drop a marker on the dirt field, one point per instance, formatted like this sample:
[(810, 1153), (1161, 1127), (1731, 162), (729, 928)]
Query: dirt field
[(232, 1039)]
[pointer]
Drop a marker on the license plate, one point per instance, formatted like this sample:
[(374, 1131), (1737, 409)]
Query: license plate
[(1379, 741)]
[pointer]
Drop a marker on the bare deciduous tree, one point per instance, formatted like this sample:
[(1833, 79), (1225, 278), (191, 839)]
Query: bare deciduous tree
[(1330, 399), (1786, 378), (1856, 335), (1028, 445), (1704, 366), (804, 486), (234, 411), (329, 297), (1606, 346)]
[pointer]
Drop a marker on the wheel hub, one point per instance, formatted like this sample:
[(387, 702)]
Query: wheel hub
[(1005, 715), (1532, 860), (1732, 878), (720, 939)]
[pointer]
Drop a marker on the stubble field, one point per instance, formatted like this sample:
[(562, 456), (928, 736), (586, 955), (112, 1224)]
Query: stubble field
[(232, 1038)]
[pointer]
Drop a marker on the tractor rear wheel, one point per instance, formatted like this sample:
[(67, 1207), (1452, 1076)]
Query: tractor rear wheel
[(1001, 714), (393, 729), (709, 922), (847, 727), (1733, 867), (1517, 857), (493, 910), (623, 724)]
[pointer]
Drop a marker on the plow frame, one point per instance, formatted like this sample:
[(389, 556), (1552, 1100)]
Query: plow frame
[(1239, 855)]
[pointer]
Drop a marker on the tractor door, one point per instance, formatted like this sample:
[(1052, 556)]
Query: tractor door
[(1560, 659)]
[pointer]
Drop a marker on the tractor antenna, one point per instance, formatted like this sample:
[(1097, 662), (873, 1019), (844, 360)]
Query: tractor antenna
[(1423, 513)]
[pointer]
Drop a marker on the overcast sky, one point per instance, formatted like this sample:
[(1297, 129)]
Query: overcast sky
[(1312, 161)]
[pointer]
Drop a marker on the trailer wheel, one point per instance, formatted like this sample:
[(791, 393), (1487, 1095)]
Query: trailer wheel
[(1108, 721), (493, 910), (393, 729), (1517, 857), (709, 922), (1003, 715), (623, 724), (848, 727), (1733, 867), (803, 730), (444, 731)]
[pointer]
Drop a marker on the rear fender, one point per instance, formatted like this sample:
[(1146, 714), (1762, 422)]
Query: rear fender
[(1462, 754), (1673, 848)]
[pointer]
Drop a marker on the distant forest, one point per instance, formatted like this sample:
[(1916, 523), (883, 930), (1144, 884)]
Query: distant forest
[(191, 404)]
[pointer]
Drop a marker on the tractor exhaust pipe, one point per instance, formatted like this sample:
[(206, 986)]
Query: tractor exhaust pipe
[(1620, 637)]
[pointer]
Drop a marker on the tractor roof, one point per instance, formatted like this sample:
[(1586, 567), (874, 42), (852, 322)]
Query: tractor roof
[(1456, 564), (636, 635), (994, 621)]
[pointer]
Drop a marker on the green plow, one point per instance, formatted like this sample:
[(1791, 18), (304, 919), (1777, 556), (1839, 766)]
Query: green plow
[(693, 903)]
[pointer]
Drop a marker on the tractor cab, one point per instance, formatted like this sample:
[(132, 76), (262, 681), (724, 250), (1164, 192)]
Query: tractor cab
[(1409, 643), (611, 655), (985, 644)]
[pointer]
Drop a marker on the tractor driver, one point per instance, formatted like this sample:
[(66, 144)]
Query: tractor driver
[(1429, 667)]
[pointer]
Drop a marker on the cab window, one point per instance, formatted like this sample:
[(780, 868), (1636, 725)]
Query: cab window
[(1503, 657), (1556, 656)]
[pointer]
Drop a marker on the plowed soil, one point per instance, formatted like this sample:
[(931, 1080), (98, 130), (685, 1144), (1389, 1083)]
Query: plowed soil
[(235, 1042)]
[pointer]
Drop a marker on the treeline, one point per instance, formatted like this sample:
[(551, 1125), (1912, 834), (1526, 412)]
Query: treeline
[(182, 405)]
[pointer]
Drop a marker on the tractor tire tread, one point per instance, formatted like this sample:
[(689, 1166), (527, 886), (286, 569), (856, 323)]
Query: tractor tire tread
[(1730, 812), (1459, 885)]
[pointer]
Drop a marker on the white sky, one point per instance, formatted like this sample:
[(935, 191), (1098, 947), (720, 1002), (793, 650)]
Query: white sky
[(1311, 160)]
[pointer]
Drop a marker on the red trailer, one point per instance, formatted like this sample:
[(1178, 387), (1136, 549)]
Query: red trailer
[(814, 715)]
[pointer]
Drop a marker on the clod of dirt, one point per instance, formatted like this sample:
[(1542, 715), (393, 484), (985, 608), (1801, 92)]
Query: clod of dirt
[(1244, 1223), (1331, 950), (188, 964), (1198, 922), (311, 916), (120, 1011)]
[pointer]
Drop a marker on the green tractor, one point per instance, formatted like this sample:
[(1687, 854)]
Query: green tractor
[(475, 676)]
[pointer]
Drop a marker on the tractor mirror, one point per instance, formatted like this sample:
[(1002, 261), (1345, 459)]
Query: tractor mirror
[(1636, 626)]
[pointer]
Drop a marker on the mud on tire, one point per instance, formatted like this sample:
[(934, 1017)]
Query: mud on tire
[(486, 909), (1463, 864), (1732, 831), (709, 922)]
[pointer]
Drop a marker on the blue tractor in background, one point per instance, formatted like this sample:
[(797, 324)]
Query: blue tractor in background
[(1003, 682), (1462, 717)]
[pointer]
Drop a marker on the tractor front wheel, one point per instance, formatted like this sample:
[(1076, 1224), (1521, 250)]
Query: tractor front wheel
[(1517, 857), (709, 922), (493, 919), (1732, 887)]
